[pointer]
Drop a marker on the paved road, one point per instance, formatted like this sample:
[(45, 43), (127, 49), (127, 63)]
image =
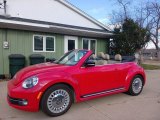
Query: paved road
[(116, 107)]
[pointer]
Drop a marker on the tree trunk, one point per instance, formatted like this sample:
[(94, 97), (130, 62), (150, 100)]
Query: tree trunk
[(158, 54)]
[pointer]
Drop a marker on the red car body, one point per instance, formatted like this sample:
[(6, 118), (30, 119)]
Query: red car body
[(86, 82)]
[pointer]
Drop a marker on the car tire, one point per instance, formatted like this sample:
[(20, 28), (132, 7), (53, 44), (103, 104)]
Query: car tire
[(57, 100), (136, 86)]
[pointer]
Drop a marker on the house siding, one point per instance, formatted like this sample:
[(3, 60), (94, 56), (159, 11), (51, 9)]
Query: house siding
[(102, 45), (21, 42), (1, 52)]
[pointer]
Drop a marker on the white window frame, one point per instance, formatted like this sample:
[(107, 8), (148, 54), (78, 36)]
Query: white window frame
[(44, 43), (89, 45), (66, 38)]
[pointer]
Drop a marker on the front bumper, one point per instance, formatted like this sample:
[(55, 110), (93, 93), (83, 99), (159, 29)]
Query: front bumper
[(19, 102), (24, 99)]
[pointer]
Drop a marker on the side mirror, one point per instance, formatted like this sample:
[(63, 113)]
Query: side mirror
[(89, 63)]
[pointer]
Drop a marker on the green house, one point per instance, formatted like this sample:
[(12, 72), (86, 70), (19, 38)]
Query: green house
[(49, 28)]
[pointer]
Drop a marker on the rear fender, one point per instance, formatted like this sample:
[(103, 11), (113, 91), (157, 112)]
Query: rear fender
[(132, 73)]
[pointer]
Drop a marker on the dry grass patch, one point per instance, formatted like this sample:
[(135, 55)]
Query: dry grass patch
[(150, 67)]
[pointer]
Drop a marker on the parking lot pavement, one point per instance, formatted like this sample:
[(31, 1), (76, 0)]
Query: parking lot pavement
[(146, 106)]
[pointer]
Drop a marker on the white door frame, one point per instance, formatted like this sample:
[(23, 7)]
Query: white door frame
[(66, 38)]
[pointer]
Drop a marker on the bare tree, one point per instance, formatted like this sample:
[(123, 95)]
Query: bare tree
[(146, 14), (124, 4), (119, 16), (154, 24)]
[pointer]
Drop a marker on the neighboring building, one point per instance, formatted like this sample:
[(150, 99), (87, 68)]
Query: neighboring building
[(149, 53), (47, 27)]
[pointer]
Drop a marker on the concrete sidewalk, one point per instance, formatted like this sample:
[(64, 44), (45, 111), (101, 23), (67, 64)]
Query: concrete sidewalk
[(146, 106)]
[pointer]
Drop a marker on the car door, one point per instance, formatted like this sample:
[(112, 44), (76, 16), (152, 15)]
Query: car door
[(97, 79)]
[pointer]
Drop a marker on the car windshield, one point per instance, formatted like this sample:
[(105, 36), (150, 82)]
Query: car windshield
[(72, 57)]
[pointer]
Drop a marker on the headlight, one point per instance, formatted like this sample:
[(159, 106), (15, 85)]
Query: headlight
[(30, 82)]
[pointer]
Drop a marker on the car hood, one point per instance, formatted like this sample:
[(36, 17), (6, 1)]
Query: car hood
[(36, 69)]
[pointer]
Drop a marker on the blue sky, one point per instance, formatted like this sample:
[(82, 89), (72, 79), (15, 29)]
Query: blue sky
[(102, 9), (99, 9)]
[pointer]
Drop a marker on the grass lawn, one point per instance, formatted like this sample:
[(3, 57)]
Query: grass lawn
[(150, 67)]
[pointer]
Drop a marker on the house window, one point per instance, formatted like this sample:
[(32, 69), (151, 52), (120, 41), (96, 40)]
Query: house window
[(38, 43), (49, 43), (89, 44), (71, 44), (43, 43)]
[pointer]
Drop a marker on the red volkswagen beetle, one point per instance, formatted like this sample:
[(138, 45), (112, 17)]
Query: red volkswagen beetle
[(75, 77)]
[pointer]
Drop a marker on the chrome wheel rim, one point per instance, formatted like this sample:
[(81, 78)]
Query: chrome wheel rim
[(137, 85), (58, 101)]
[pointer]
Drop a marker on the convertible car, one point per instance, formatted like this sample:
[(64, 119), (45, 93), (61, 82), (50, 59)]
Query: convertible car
[(77, 76)]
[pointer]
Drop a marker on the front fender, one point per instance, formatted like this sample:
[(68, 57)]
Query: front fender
[(49, 79), (133, 71)]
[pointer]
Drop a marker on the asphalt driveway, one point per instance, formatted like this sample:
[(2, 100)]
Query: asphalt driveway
[(146, 106)]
